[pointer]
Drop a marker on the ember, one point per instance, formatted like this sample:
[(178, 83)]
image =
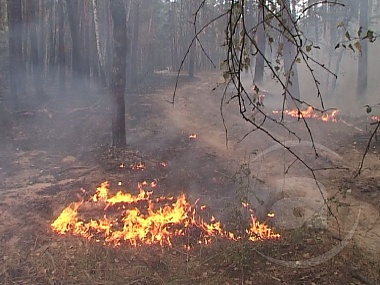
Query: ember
[(310, 113), (192, 136), (140, 165), (141, 219)]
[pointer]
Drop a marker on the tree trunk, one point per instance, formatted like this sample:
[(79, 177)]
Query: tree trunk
[(261, 44), (16, 70), (119, 68), (135, 46), (97, 40), (35, 58), (290, 66), (363, 59), (72, 10), (61, 47)]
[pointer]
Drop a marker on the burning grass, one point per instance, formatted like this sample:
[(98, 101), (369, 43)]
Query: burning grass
[(310, 112), (142, 219)]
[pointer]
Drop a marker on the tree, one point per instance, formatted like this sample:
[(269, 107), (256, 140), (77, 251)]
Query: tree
[(61, 46), (16, 70), (261, 44), (119, 67), (363, 59), (73, 13), (290, 66)]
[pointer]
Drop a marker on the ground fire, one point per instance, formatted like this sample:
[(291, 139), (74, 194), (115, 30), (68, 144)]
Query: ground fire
[(310, 112), (144, 220)]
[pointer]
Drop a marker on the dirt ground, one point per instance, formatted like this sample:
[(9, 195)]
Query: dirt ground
[(47, 155)]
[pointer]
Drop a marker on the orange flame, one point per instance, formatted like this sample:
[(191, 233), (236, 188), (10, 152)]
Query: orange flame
[(193, 136), (139, 165), (140, 219), (310, 113)]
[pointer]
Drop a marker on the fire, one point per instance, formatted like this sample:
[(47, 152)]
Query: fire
[(375, 118), (310, 113), (193, 136), (141, 219), (140, 165)]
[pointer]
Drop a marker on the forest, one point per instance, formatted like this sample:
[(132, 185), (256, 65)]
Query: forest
[(189, 142)]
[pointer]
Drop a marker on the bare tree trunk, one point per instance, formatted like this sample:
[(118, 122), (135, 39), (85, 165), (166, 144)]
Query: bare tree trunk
[(135, 45), (261, 44), (72, 10), (35, 58), (61, 47), (363, 59), (173, 37), (290, 66), (16, 70), (97, 40), (119, 68)]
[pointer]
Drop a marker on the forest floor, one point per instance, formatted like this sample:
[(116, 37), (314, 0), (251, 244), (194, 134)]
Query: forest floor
[(49, 155)]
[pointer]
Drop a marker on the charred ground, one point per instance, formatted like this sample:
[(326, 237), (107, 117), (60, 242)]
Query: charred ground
[(48, 154)]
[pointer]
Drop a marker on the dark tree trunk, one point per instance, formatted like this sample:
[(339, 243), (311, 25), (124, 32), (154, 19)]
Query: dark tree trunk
[(261, 44), (16, 71), (35, 58), (73, 13), (119, 68), (61, 47), (135, 46)]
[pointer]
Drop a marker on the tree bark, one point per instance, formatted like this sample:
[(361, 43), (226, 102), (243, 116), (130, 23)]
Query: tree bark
[(97, 40), (119, 68), (73, 13), (35, 58), (16, 70), (363, 59), (61, 47), (290, 66), (261, 44)]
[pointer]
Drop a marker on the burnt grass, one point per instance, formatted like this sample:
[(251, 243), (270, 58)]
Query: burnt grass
[(50, 154)]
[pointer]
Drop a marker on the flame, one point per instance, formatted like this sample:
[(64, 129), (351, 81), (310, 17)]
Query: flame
[(310, 113), (163, 163), (139, 165), (375, 118), (121, 165), (140, 219), (193, 136), (270, 215)]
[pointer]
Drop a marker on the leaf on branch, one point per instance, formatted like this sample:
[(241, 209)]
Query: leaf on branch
[(360, 31), (340, 25), (270, 40), (370, 36), (226, 75), (368, 109), (277, 68), (347, 34), (308, 48), (298, 60), (358, 46)]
